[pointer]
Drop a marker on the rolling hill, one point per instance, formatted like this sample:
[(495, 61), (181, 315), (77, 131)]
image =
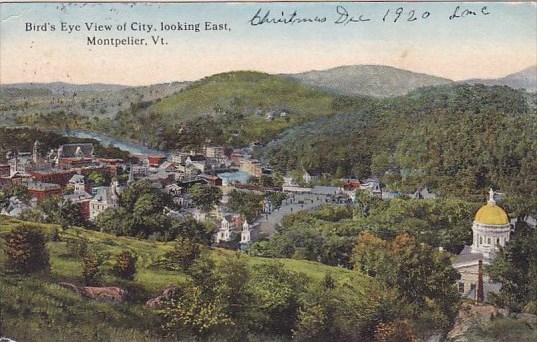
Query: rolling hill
[(370, 80), (246, 105), (245, 91), (524, 79), (23, 100), (35, 305)]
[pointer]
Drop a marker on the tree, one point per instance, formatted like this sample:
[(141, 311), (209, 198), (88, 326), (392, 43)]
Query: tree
[(365, 202), (369, 255), (193, 312), (26, 250), (233, 276), (184, 253), (276, 198), (61, 211), (190, 229), (423, 277), (125, 266), (247, 203), (515, 267), (18, 191), (97, 178), (276, 293), (209, 303), (205, 196), (140, 213), (338, 311), (91, 267)]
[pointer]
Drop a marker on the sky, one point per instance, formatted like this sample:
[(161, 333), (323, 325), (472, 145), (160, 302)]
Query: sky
[(480, 46)]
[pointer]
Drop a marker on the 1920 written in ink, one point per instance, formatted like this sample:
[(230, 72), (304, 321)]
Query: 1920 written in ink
[(343, 16)]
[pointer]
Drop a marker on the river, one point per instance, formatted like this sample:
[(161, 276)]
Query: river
[(105, 140)]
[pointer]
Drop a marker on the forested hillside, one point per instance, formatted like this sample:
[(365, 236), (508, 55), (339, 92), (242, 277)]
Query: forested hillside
[(455, 139)]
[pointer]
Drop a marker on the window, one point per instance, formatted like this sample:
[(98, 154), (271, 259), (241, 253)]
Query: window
[(461, 287), (472, 286), (498, 241), (480, 240), (488, 241)]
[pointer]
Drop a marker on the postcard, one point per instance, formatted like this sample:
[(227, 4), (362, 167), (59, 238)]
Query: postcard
[(268, 171)]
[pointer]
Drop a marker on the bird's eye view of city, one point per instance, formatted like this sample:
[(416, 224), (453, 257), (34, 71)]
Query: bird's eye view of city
[(252, 171)]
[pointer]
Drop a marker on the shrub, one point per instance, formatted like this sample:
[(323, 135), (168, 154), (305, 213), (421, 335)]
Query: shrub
[(77, 247), (26, 250), (125, 266)]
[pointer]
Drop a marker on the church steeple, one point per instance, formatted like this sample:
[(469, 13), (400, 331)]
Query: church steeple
[(131, 175), (35, 153)]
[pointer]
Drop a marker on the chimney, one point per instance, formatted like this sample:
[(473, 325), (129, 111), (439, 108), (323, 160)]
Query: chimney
[(480, 295)]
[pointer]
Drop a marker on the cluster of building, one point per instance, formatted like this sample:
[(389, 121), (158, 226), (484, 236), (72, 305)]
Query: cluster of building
[(60, 172), (65, 172)]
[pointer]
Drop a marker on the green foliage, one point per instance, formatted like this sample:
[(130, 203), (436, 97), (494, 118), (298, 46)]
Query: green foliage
[(276, 198), (441, 222), (26, 250), (91, 267), (247, 203), (31, 302), (276, 296), (184, 254), (458, 140), (336, 311), (193, 313), (500, 329), (18, 191), (125, 266), (97, 178), (231, 299), (515, 267), (36, 308), (329, 233), (326, 235), (223, 108), (423, 277), (59, 211), (205, 196), (76, 248), (140, 213)]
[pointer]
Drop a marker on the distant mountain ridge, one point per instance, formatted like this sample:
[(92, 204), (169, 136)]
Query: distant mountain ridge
[(352, 80), (524, 79), (60, 87), (370, 80)]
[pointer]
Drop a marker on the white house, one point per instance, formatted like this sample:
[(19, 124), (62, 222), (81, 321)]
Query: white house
[(105, 197), (310, 176)]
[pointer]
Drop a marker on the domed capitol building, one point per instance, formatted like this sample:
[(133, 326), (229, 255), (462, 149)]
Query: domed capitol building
[(491, 230)]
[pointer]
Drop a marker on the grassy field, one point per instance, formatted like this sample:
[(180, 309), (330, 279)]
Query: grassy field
[(36, 308)]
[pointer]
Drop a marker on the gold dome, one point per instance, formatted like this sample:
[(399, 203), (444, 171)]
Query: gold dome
[(490, 213)]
